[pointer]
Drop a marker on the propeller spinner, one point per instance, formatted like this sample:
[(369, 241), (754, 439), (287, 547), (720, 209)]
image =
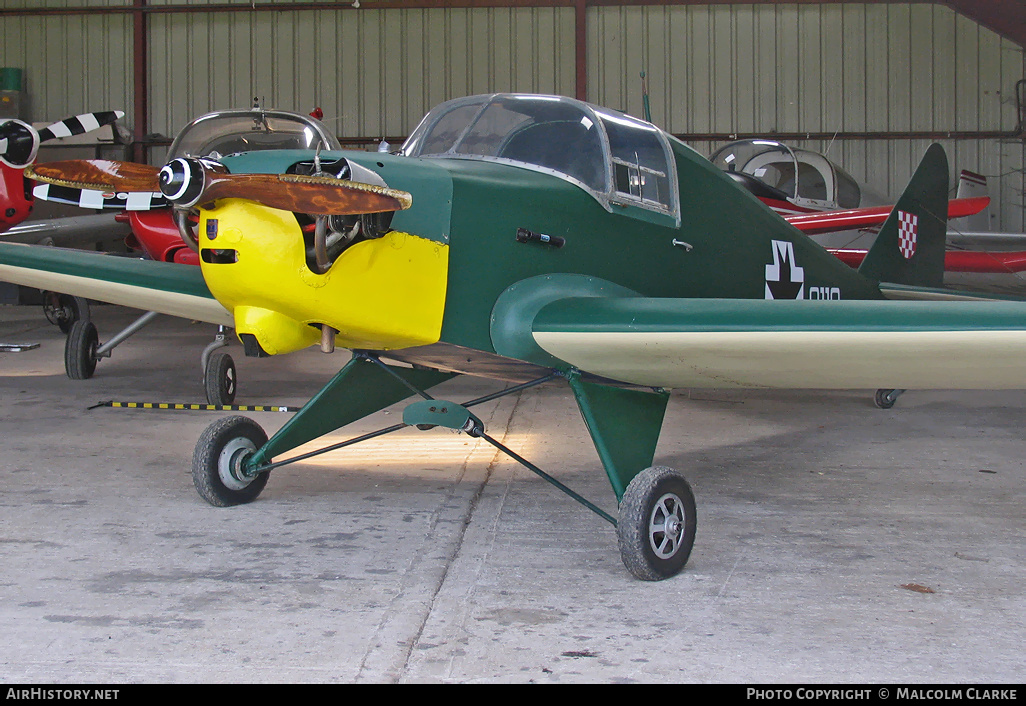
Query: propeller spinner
[(186, 182)]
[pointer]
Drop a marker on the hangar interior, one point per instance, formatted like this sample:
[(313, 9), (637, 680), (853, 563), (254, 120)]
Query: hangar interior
[(838, 540)]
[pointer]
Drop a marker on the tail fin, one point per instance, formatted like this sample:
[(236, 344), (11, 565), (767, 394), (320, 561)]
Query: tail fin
[(910, 247)]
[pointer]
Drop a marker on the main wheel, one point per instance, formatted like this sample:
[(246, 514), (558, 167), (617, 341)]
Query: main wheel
[(217, 463), (656, 529), (80, 350), (63, 310), (219, 378)]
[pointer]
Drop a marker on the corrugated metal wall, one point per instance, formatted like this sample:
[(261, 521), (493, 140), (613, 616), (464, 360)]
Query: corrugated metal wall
[(822, 68), (789, 68), (374, 72), (72, 63)]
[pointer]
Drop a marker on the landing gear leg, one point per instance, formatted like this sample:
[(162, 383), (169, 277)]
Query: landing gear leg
[(82, 349)]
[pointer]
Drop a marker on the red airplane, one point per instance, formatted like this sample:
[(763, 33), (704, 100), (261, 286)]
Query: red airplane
[(818, 197)]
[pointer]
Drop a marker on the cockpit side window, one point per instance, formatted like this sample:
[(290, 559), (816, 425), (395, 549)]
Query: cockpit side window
[(640, 168), (544, 132), (811, 183), (849, 195)]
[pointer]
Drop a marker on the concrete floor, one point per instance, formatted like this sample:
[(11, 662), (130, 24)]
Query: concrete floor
[(426, 557)]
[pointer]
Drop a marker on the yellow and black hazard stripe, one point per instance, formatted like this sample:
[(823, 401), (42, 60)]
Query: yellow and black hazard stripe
[(196, 407)]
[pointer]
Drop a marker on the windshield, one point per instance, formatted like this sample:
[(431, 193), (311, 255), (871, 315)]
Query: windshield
[(542, 131), (229, 132)]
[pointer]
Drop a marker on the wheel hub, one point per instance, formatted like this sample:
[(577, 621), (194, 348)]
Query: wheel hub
[(666, 526), (230, 463)]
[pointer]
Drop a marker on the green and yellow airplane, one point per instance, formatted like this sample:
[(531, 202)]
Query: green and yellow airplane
[(526, 239)]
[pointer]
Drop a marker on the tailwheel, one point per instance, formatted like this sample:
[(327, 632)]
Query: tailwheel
[(885, 399), (63, 310), (218, 463), (656, 529), (80, 350), (219, 378)]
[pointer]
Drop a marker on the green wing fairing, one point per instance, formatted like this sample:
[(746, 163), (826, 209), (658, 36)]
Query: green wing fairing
[(797, 344), (168, 288)]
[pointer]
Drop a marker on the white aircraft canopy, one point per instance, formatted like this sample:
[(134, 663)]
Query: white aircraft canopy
[(226, 132), (619, 159), (805, 178)]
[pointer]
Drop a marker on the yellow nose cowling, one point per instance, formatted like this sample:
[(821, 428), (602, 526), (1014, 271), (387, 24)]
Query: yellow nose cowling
[(380, 294)]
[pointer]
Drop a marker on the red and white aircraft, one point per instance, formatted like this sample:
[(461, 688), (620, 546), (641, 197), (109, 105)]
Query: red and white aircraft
[(818, 197)]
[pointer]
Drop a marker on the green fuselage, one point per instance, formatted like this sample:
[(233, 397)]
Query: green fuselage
[(720, 249)]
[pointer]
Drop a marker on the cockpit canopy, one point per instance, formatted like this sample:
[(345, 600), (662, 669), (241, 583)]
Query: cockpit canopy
[(617, 158), (226, 132), (800, 176)]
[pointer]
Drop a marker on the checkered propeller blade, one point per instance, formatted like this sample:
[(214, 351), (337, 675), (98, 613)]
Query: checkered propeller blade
[(79, 124)]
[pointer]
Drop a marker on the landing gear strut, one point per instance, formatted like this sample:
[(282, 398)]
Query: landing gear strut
[(656, 526), (82, 349)]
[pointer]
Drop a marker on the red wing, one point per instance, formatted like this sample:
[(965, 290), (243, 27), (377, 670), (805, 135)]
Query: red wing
[(855, 218)]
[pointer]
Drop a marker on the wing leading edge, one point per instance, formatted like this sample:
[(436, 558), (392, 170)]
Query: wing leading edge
[(167, 288), (790, 344)]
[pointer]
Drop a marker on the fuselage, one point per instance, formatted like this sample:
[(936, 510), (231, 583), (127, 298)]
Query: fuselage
[(449, 259)]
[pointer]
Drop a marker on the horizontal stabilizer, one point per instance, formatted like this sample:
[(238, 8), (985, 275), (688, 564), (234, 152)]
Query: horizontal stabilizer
[(790, 344), (177, 290)]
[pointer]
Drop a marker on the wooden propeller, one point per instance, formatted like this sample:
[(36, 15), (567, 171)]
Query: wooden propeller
[(96, 175), (186, 182)]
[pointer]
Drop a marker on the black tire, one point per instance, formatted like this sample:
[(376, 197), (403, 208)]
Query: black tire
[(883, 400), (219, 378), (63, 310), (217, 462), (656, 529), (80, 350)]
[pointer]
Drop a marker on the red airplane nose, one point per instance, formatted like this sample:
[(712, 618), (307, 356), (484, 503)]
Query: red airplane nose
[(15, 197)]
